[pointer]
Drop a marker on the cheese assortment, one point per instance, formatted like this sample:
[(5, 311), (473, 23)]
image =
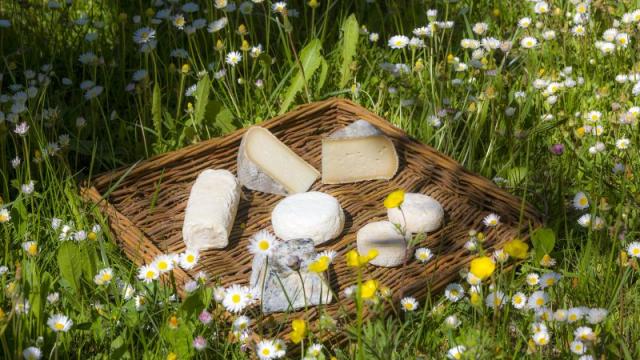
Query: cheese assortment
[(211, 210), (303, 219), (311, 215), (266, 164), (358, 152)]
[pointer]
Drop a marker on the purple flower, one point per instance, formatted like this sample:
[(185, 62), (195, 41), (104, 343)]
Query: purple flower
[(205, 317), (199, 343), (557, 149)]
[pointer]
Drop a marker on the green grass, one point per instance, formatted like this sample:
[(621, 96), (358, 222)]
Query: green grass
[(467, 108)]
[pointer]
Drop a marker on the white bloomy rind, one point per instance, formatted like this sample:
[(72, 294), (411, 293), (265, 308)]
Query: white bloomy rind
[(313, 215), (266, 164), (386, 239), (421, 212), (211, 210), (358, 152)]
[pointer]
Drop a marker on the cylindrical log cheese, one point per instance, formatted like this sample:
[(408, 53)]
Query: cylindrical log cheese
[(386, 239), (211, 210)]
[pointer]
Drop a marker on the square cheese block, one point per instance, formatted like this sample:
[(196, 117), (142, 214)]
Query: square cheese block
[(359, 152), (266, 164)]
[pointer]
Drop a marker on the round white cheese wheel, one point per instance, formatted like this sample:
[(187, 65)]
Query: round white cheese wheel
[(312, 215), (387, 239), (422, 213)]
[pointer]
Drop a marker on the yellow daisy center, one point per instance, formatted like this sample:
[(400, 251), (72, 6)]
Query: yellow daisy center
[(59, 326), (163, 265), (266, 351), (190, 258), (33, 249), (636, 251), (236, 298), (150, 274), (582, 201), (540, 301), (106, 276), (263, 245)]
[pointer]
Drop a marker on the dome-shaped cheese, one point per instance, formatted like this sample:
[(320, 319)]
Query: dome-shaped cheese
[(314, 215), (386, 239), (422, 213)]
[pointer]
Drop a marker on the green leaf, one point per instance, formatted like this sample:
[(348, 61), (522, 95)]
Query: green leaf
[(324, 70), (350, 34), (543, 240), (193, 305), (224, 121), (156, 110), (202, 99), (70, 264), (516, 175), (310, 59)]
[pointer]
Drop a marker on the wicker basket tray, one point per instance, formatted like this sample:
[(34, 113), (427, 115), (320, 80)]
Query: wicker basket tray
[(146, 209)]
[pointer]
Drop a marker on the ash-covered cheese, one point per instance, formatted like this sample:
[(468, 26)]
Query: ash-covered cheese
[(420, 213), (386, 239), (266, 164), (358, 152), (211, 210), (311, 215)]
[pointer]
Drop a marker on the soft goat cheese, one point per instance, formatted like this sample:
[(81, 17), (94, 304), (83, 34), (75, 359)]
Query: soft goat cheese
[(211, 210), (386, 239), (313, 215), (420, 213)]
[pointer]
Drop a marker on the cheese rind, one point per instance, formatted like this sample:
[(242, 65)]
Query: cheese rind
[(358, 152), (386, 239), (420, 213), (211, 210), (266, 164), (312, 215)]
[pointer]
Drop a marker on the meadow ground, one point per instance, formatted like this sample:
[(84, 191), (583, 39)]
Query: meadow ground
[(541, 97)]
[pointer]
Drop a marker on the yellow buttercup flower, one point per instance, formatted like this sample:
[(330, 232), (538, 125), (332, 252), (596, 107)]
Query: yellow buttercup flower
[(172, 356), (320, 265), (482, 267), (313, 3), (475, 299), (394, 199), (185, 68), (299, 330), (354, 259), (517, 248), (368, 289)]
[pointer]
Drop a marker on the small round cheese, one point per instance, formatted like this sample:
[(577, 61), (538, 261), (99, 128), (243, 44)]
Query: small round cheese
[(422, 213), (386, 239), (313, 215)]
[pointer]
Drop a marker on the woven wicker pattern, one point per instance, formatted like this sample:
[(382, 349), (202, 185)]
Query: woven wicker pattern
[(144, 231)]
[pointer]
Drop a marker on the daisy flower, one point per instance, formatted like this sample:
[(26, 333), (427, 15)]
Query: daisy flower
[(580, 201), (144, 35), (189, 259), (574, 314), (537, 300), (262, 243), (233, 58), (103, 277), (235, 298), (541, 338), (241, 323), (623, 144), (584, 333), (456, 352), (491, 220), (59, 323), (398, 42), (577, 347), (32, 353), (423, 254), (584, 220), (452, 321), (30, 247), (633, 249), (409, 304), (148, 273), (454, 292), (549, 279), (528, 42), (495, 299), (266, 349), (329, 255), (560, 315), (164, 263), (199, 343), (519, 300), (315, 350), (218, 293), (596, 315)]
